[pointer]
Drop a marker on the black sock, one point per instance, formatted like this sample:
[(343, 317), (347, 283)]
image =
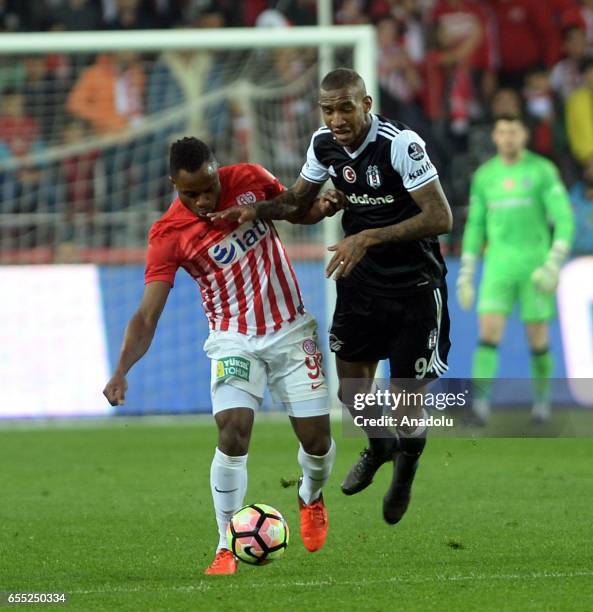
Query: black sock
[(382, 441), (383, 446), (409, 457)]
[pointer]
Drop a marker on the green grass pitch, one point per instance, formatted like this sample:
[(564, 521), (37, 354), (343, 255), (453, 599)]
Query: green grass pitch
[(120, 517)]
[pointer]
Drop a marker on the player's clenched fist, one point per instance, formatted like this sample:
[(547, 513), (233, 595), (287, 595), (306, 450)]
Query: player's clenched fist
[(115, 390), (331, 201)]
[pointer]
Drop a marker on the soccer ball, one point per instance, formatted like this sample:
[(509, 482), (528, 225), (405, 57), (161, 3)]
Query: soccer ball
[(257, 534)]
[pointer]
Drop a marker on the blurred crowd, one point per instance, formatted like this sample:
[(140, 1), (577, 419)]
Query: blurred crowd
[(446, 68)]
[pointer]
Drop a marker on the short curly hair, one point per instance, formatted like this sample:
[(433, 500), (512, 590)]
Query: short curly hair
[(340, 78), (189, 154)]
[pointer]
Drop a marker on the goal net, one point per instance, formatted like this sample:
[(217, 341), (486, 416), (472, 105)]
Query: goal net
[(86, 120)]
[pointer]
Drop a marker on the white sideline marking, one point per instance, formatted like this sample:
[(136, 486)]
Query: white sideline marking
[(117, 422), (202, 585), (121, 422)]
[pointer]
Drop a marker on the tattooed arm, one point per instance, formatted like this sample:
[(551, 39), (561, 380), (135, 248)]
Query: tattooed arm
[(433, 219), (290, 205)]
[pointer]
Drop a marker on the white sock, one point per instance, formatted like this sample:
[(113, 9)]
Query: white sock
[(481, 408), (228, 483), (316, 471), (541, 410)]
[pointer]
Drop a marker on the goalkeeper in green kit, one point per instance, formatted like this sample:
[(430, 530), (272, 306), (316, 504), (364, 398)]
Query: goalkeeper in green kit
[(520, 212)]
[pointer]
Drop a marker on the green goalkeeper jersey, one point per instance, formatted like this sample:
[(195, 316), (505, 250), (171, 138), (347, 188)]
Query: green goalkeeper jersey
[(516, 211)]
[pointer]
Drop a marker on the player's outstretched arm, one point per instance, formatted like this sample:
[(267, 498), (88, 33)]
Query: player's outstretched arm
[(290, 205), (137, 338), (433, 219)]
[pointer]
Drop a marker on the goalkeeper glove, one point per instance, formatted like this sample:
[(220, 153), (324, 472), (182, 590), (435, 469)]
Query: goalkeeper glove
[(465, 281), (545, 278)]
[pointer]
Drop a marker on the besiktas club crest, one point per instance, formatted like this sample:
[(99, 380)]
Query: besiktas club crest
[(433, 338), (373, 177)]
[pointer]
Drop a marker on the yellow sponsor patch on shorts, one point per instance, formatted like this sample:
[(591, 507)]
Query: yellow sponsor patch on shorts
[(233, 366)]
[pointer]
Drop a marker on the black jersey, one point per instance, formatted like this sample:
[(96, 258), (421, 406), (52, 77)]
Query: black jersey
[(377, 178)]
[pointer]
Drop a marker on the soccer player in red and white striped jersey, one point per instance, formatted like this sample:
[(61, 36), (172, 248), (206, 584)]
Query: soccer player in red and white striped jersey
[(245, 277), (260, 334)]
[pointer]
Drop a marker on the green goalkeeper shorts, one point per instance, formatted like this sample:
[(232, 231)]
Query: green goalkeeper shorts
[(498, 294)]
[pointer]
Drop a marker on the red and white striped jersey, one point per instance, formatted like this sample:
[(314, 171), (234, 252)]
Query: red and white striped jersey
[(244, 274)]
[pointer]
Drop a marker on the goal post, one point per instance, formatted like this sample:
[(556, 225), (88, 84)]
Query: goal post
[(361, 38), (124, 205)]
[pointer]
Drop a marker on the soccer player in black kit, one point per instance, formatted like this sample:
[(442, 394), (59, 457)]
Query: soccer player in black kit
[(391, 291)]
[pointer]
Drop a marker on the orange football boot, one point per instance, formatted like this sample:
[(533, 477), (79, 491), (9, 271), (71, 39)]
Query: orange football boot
[(313, 523), (224, 563)]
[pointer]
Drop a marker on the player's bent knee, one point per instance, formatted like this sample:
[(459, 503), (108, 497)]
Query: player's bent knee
[(233, 442), (344, 400), (234, 430), (346, 396), (491, 330), (490, 336), (316, 442), (314, 433), (487, 343), (538, 337), (317, 446), (539, 348)]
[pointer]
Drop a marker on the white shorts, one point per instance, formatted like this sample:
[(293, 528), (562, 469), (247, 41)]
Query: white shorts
[(288, 362)]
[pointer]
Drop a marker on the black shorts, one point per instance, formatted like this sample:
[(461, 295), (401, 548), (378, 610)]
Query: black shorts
[(412, 331)]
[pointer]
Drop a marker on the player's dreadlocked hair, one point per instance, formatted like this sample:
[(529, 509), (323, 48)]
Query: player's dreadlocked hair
[(340, 78), (188, 154)]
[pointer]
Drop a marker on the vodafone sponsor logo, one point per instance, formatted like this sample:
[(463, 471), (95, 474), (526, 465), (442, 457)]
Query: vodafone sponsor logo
[(365, 199)]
